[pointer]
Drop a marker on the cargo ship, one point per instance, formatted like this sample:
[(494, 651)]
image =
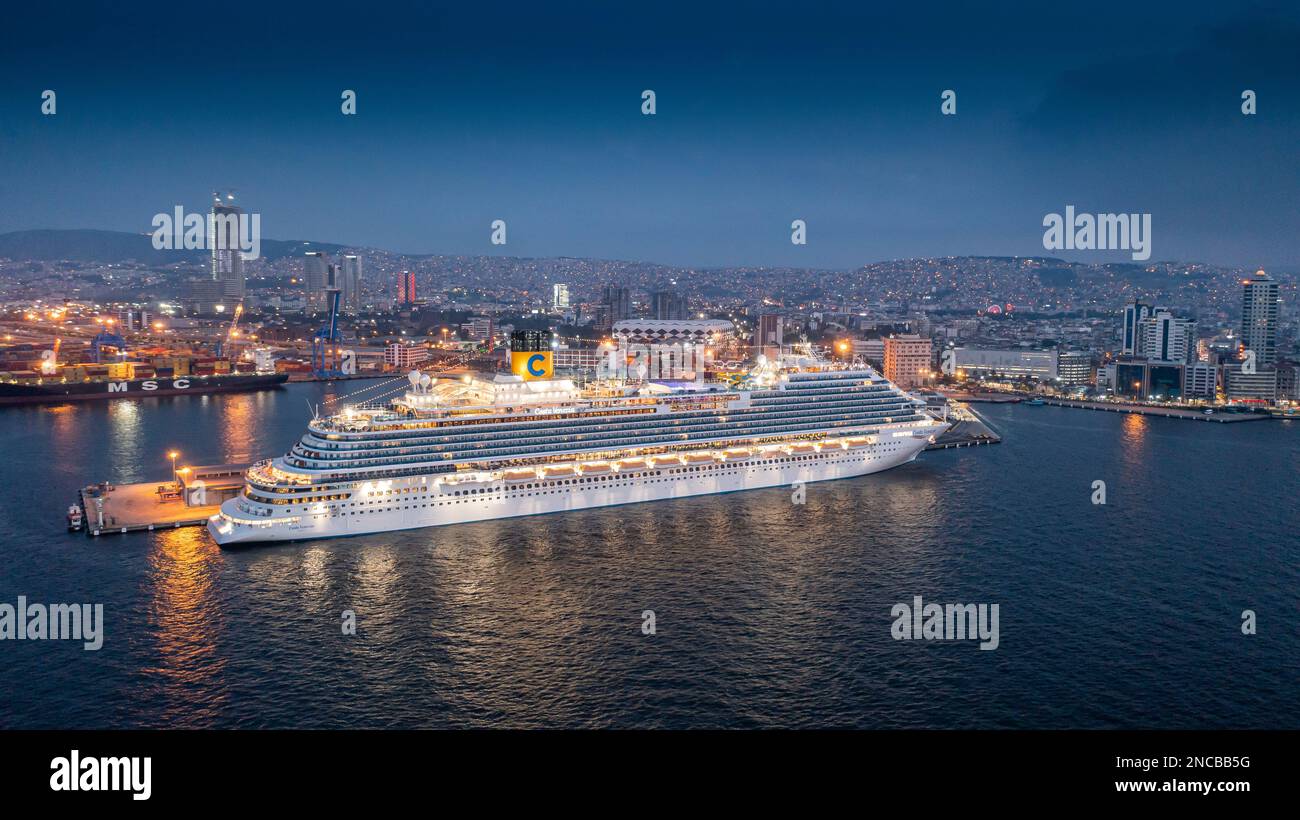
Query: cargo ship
[(163, 376), (54, 390)]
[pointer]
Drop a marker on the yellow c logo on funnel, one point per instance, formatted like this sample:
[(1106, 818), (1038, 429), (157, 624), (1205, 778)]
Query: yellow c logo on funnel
[(531, 365)]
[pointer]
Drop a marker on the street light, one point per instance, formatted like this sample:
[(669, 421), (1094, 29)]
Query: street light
[(173, 455)]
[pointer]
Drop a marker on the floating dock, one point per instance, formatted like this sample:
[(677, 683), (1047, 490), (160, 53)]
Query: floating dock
[(110, 509)]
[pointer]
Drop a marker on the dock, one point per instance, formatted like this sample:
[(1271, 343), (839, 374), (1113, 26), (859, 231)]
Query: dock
[(966, 432), (111, 509), (1219, 416), (986, 398)]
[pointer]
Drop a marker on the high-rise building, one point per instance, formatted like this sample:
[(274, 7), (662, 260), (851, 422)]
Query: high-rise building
[(205, 295), (769, 336), (223, 243), (1259, 318), (1200, 380), (871, 350), (667, 305), (1131, 342), (349, 282), (559, 296), (1167, 338), (1288, 382), (1074, 367), (316, 278), (615, 306), (133, 319), (406, 288), (907, 360)]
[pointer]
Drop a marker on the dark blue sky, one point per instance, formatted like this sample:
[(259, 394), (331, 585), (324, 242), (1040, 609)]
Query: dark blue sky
[(767, 112)]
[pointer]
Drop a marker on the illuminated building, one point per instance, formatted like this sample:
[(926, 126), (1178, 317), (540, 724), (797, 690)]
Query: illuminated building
[(907, 360)]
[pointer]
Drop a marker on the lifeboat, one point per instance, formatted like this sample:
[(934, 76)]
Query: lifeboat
[(595, 468), (802, 449), (737, 454), (562, 471), (666, 461), (631, 465), (860, 442), (524, 474), (698, 458)]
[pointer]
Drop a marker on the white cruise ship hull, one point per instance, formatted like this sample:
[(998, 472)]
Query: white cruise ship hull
[(426, 501)]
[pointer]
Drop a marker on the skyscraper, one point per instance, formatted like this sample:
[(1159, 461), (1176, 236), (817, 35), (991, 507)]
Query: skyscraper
[(665, 304), (770, 335), (615, 306), (223, 243), (559, 296), (1131, 344), (1167, 338), (1259, 318), (406, 288), (316, 278), (350, 283)]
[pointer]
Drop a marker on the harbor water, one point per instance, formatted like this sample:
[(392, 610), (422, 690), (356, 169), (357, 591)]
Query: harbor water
[(765, 612)]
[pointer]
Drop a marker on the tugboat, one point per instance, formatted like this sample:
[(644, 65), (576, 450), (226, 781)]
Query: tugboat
[(1036, 401), (74, 518)]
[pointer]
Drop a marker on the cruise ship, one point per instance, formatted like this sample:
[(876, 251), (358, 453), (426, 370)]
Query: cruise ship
[(478, 447)]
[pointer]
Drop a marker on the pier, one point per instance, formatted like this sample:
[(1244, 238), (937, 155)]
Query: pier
[(966, 432), (1220, 416), (987, 398), (196, 495)]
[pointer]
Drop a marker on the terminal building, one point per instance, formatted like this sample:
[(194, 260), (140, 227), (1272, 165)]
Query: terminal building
[(1009, 364)]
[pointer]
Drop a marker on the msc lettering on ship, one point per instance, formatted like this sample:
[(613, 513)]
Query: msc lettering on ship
[(122, 387)]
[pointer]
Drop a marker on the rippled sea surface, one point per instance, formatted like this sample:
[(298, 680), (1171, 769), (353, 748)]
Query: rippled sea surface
[(767, 613)]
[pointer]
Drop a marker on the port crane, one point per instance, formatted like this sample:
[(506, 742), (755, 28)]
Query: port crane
[(232, 332), (326, 355), (106, 338)]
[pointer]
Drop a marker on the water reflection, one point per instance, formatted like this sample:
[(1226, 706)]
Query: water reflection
[(315, 578), (125, 437), (1134, 437), (186, 622), (237, 418)]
